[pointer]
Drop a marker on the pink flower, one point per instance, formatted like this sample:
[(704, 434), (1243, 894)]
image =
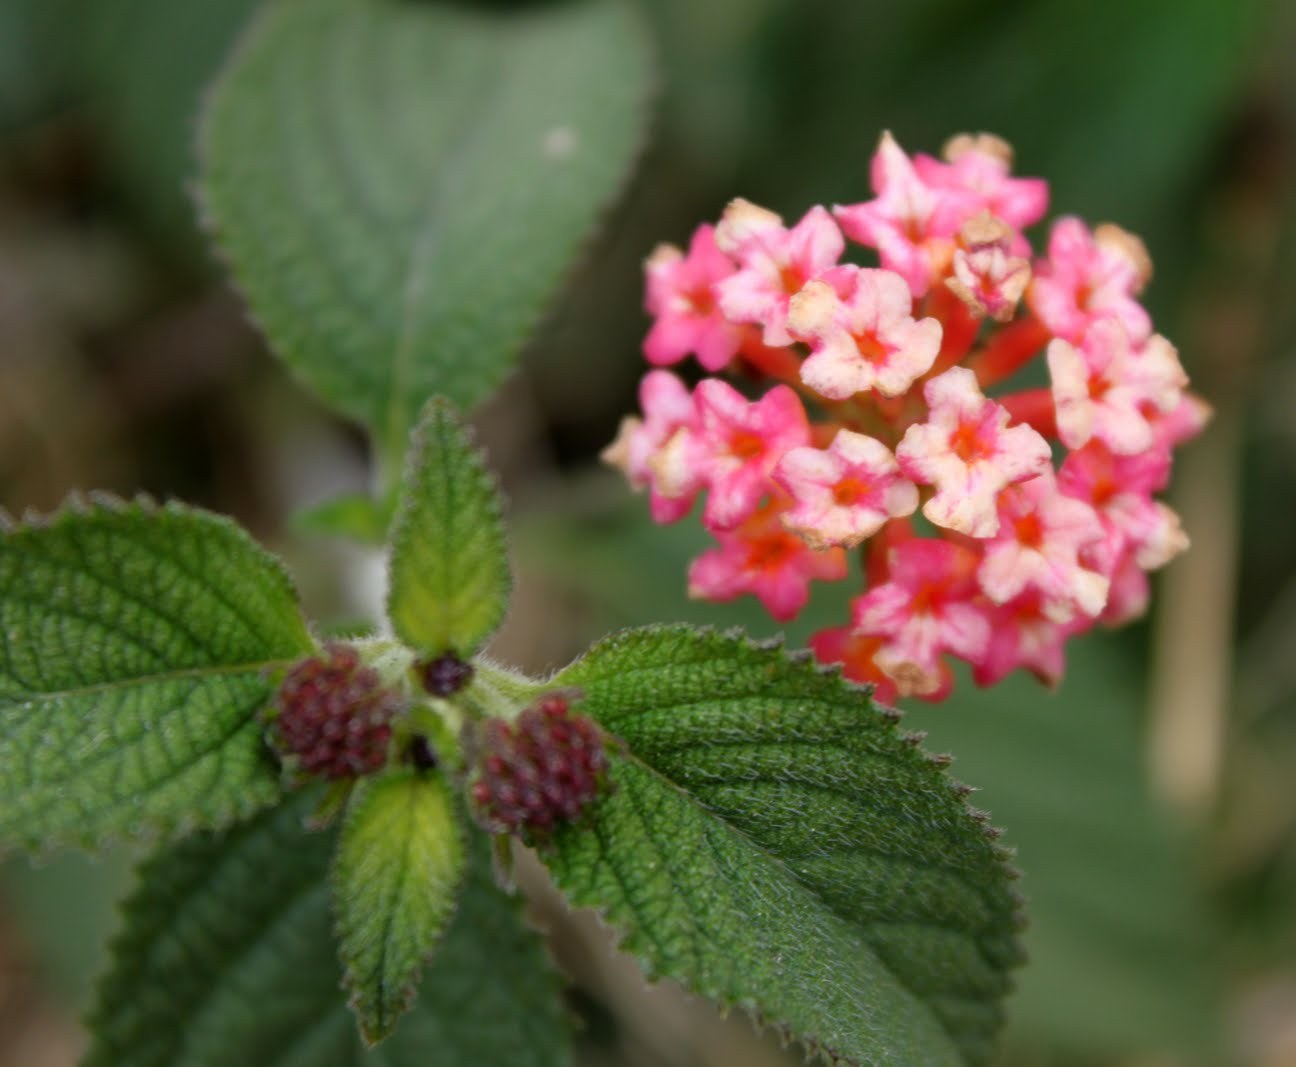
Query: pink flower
[(928, 606), (861, 333), (774, 263), (843, 494), (841, 644), (898, 221), (1041, 536), (660, 450), (987, 276), (680, 294), (1090, 277), (1119, 489), (739, 444), (967, 450), (1023, 634), (1106, 388), (761, 557), (979, 167)]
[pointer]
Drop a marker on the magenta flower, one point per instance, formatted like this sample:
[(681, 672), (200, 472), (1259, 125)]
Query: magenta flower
[(843, 494), (928, 606), (1107, 388), (1088, 277), (761, 557), (862, 333), (1023, 634), (967, 450), (681, 297), (659, 450), (979, 167), (1042, 534), (774, 263), (739, 442), (898, 221)]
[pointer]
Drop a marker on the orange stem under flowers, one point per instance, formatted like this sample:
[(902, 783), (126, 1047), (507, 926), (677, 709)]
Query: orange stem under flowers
[(959, 328), (781, 364), (1034, 407), (877, 550), (1008, 350)]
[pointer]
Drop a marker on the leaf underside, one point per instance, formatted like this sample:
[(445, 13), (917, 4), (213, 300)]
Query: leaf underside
[(399, 187), (775, 842), (139, 644), (395, 877), (449, 566), (226, 956)]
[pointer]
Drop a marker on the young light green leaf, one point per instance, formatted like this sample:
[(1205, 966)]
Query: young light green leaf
[(399, 187), (226, 956), (356, 516), (395, 876), (138, 647), (775, 842), (449, 569)]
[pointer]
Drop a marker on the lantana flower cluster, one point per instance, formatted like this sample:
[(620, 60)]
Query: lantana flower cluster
[(880, 408)]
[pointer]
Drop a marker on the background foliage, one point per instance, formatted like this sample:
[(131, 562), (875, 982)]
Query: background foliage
[(1164, 904)]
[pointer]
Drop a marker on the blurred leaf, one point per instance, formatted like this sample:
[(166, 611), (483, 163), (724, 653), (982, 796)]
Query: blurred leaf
[(138, 641), (400, 187), (356, 516), (227, 957), (399, 861), (64, 910), (1119, 942), (775, 842), (146, 64), (449, 567), (33, 67)]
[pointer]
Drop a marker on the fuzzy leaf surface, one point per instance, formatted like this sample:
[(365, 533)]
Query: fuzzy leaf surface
[(449, 565), (139, 643), (400, 187), (226, 956), (775, 842), (398, 866)]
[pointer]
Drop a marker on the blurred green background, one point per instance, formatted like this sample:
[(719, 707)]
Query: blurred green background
[(1152, 798)]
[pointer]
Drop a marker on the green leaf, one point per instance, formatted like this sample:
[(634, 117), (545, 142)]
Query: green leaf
[(357, 516), (138, 646), (775, 842), (1120, 920), (227, 957), (400, 187), (398, 866), (449, 569)]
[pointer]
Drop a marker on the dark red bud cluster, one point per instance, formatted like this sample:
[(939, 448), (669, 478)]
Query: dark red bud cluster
[(543, 769), (335, 715)]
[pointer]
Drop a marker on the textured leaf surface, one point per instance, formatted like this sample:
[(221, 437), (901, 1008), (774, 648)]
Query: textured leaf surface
[(449, 569), (356, 516), (775, 842), (138, 642), (227, 957), (398, 867), (400, 186)]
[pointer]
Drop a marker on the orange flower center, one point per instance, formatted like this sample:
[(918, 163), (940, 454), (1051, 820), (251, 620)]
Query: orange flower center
[(850, 491)]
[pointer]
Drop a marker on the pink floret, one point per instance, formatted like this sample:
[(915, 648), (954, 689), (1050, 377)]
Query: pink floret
[(967, 450), (843, 494), (862, 334), (1042, 534), (1087, 277), (739, 443), (929, 605), (1107, 388), (774, 263), (681, 297), (763, 558), (980, 169)]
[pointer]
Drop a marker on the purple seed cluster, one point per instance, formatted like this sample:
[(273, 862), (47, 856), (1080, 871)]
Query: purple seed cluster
[(543, 769), (335, 715), (445, 675)]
